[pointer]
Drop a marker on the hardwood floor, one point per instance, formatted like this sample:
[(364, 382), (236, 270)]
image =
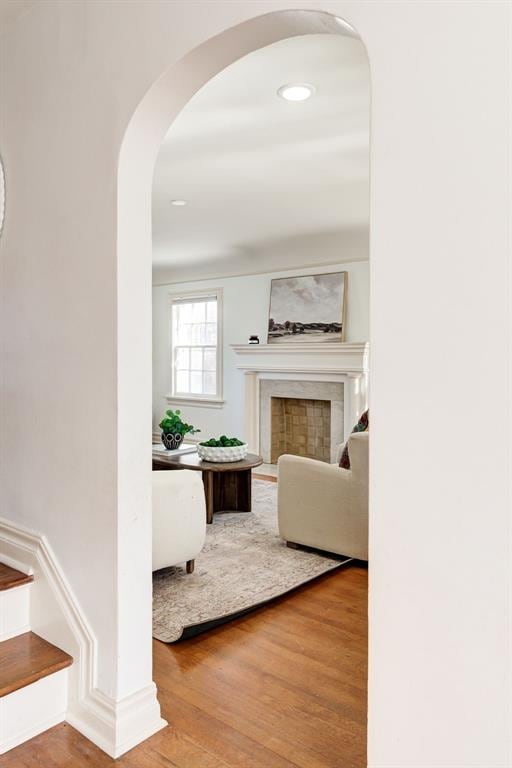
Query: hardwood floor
[(283, 687), (268, 478)]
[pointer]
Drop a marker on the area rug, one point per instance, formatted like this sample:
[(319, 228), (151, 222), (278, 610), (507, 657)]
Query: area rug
[(243, 565)]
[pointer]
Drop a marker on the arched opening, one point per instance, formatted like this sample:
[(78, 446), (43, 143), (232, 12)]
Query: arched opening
[(137, 158)]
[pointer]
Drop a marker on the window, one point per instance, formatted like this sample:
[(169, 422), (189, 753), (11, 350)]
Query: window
[(194, 348)]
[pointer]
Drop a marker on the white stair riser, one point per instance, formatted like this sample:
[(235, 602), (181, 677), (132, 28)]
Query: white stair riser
[(31, 710), (114, 726), (14, 611)]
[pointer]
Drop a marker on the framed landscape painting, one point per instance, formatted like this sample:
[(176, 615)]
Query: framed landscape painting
[(307, 308)]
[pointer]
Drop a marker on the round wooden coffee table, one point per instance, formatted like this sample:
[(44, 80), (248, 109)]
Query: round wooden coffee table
[(227, 486)]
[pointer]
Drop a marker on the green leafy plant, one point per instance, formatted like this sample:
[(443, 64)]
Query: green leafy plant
[(173, 424), (222, 442)]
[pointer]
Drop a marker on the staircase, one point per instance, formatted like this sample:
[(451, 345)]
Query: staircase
[(33, 672)]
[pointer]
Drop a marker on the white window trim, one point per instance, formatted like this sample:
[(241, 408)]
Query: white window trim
[(189, 399), (200, 401)]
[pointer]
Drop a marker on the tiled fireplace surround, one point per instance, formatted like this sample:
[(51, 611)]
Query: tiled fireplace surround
[(334, 373), (330, 392), (301, 426)]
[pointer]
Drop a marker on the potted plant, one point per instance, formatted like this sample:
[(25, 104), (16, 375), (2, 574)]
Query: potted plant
[(174, 429), (225, 449)]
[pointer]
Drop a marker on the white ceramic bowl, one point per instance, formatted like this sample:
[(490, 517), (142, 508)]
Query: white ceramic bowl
[(230, 453)]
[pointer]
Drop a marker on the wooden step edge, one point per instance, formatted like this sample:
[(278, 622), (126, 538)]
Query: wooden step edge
[(27, 658), (10, 577)]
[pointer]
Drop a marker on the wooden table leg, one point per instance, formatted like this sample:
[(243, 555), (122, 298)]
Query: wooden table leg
[(245, 490), (232, 491), (208, 495)]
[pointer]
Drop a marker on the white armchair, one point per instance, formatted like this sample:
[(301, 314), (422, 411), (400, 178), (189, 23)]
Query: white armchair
[(323, 506), (179, 518)]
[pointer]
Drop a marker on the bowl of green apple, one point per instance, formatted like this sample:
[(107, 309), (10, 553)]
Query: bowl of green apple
[(223, 449)]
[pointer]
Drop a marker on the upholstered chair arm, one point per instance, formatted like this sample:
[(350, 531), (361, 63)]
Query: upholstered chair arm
[(319, 506), (179, 517)]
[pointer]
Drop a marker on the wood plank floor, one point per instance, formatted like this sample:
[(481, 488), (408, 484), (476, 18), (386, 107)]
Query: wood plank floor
[(284, 687)]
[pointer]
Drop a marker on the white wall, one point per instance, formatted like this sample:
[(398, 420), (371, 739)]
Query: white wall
[(75, 329), (245, 311), (293, 252)]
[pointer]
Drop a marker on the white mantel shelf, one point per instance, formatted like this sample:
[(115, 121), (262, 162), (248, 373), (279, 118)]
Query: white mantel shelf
[(345, 362), (341, 357), (303, 347)]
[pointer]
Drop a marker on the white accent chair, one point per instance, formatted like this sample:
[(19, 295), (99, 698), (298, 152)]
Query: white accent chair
[(323, 506), (179, 518)]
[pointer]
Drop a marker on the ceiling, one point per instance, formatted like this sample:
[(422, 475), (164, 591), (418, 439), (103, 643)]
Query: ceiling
[(257, 170), (11, 9)]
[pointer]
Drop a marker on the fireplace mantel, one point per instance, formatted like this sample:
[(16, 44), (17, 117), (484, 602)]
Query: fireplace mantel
[(345, 362), (344, 357)]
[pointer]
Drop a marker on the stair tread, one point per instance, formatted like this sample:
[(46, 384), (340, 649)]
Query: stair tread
[(27, 658), (10, 577)]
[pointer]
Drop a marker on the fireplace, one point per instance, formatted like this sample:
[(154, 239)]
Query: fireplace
[(288, 407), (322, 371), (300, 426)]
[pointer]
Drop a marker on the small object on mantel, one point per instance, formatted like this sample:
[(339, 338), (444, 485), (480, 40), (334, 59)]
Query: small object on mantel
[(254, 340)]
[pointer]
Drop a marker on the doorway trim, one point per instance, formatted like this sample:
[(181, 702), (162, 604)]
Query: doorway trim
[(141, 143)]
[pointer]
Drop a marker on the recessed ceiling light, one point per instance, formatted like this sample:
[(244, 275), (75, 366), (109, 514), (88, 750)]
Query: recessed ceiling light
[(178, 202), (296, 91)]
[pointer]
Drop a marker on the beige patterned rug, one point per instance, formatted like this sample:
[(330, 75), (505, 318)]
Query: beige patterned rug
[(244, 564)]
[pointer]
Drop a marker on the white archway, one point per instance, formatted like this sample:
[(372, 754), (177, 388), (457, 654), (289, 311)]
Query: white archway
[(142, 141)]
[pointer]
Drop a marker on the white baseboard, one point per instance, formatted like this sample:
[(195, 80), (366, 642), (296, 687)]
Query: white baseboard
[(113, 726), (117, 727)]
